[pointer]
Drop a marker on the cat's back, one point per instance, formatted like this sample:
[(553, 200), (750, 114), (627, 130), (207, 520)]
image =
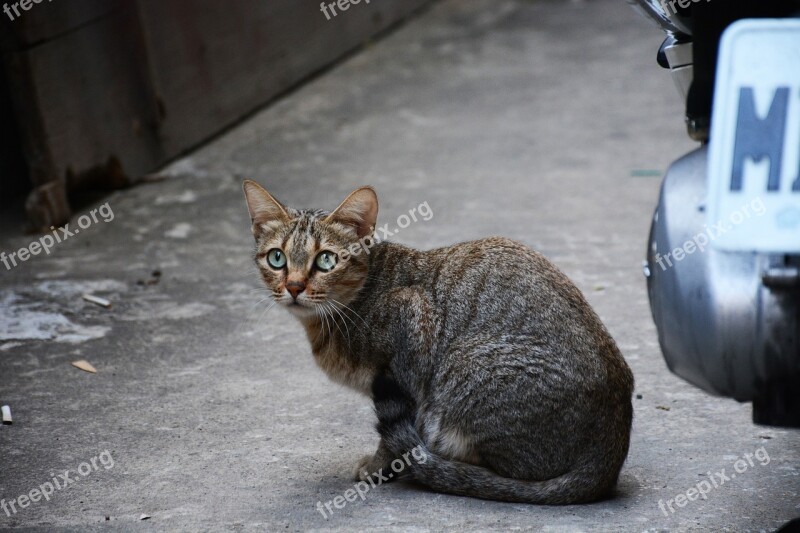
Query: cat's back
[(498, 267), (500, 284)]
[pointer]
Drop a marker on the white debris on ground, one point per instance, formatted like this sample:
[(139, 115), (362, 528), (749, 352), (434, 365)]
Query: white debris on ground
[(23, 319), (180, 230)]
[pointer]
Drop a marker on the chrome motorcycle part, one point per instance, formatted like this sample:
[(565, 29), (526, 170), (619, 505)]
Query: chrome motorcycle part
[(665, 14), (679, 58), (728, 322)]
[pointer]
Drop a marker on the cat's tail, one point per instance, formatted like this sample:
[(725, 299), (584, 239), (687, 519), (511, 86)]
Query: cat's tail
[(396, 425)]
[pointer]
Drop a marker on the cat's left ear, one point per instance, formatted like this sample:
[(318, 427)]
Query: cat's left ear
[(359, 211)]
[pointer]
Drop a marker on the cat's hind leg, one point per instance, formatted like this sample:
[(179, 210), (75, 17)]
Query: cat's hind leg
[(371, 466)]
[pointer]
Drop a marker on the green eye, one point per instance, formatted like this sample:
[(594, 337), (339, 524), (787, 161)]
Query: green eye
[(276, 259), (325, 261)]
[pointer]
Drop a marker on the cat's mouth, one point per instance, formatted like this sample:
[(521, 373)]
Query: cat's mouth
[(299, 307)]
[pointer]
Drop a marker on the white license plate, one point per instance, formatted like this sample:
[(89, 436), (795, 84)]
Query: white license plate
[(754, 153)]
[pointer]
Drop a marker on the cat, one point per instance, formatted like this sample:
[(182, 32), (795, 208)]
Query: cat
[(482, 354)]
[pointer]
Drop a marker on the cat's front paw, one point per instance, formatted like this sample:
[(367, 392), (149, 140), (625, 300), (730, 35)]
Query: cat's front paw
[(367, 466)]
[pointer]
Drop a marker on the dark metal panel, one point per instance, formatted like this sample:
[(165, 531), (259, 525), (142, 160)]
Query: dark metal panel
[(214, 62), (104, 91), (48, 20)]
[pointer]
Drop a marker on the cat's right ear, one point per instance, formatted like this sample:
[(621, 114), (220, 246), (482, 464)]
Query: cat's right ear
[(263, 207)]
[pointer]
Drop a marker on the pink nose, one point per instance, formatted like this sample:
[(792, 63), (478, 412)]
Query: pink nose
[(295, 288)]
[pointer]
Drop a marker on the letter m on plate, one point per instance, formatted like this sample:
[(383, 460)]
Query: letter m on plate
[(757, 137)]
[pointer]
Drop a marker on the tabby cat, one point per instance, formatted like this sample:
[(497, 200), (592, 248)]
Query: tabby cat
[(482, 354)]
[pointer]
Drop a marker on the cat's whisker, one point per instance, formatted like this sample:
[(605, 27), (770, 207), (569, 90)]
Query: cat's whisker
[(265, 311), (316, 312), (327, 324), (340, 310), (259, 289), (253, 306), (261, 301), (348, 308), (333, 307), (252, 320), (321, 320)]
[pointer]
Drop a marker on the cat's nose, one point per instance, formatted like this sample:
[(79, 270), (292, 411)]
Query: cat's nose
[(295, 288)]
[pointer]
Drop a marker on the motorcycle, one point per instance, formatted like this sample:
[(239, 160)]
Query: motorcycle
[(723, 256)]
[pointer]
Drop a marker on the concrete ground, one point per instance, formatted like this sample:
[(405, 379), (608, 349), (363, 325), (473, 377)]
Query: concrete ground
[(538, 120)]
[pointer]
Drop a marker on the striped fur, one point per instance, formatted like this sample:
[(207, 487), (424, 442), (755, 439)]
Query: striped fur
[(483, 354)]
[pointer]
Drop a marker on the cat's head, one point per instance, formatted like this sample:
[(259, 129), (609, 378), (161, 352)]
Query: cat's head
[(305, 256)]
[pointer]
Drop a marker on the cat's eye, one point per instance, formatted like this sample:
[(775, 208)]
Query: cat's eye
[(325, 261), (276, 259)]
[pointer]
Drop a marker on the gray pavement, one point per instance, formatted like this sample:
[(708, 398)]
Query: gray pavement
[(530, 119)]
